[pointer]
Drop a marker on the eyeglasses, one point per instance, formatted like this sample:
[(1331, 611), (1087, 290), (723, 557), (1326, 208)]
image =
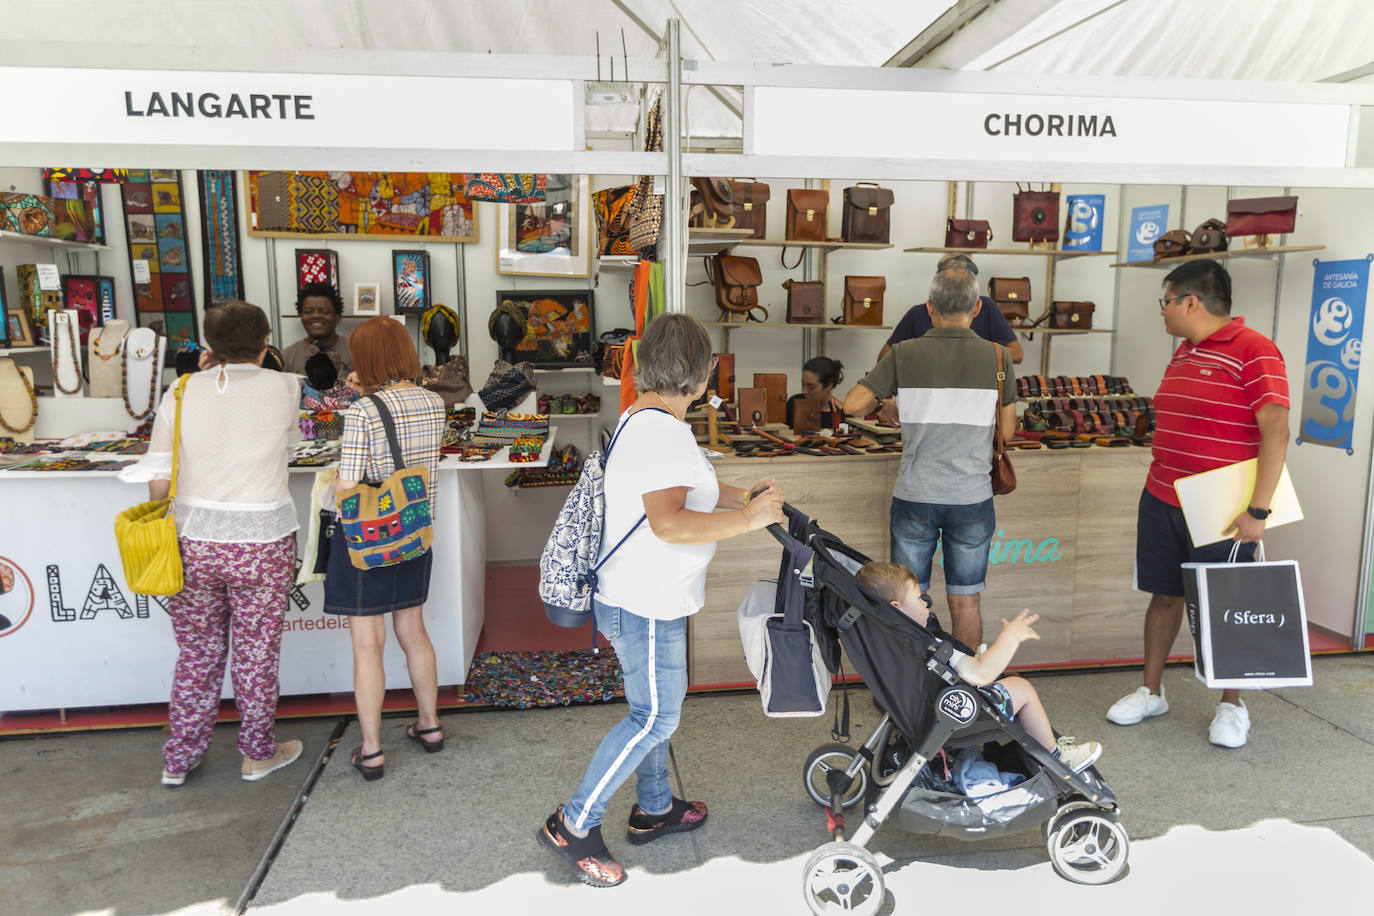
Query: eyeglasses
[(1165, 300), (715, 361)]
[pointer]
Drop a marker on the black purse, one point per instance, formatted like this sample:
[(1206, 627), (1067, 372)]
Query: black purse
[(328, 522)]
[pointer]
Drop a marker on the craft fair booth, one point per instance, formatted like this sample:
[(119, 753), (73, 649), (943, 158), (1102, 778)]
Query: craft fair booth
[(940, 142)]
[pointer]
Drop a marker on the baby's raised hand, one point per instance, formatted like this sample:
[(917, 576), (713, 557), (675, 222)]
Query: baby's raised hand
[(1020, 628)]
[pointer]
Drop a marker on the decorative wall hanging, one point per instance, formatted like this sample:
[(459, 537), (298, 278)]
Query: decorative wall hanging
[(367, 298), (27, 214), (361, 204), (411, 280), (504, 188), (104, 176), (558, 326), (548, 239), (4, 323), (317, 265), (83, 293), (155, 221), (76, 210), (219, 235)]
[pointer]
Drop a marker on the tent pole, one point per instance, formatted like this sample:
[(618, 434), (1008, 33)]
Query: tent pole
[(672, 248)]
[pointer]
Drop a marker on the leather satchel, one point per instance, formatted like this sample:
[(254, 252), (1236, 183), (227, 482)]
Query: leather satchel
[(721, 380), (736, 281), (775, 397), (1210, 236), (1012, 295), (1071, 315), (1003, 474), (805, 415), (1172, 244), (751, 206), (712, 204), (1261, 215), (806, 215), (1035, 216), (967, 233), (805, 301), (863, 300), (867, 214), (753, 406)]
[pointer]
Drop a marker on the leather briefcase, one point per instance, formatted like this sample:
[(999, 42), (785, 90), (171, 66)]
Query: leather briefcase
[(1071, 315), (967, 233), (751, 206), (1035, 216), (867, 214), (1261, 215), (806, 215), (1012, 295), (775, 403), (753, 407), (863, 300), (736, 281), (721, 380), (804, 415), (1172, 244), (805, 301), (1210, 236), (712, 204)]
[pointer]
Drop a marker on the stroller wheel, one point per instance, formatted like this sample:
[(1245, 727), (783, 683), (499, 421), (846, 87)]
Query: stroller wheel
[(1088, 846), (1064, 811), (828, 759), (843, 878)]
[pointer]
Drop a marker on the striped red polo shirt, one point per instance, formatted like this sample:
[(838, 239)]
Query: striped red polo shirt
[(1205, 407)]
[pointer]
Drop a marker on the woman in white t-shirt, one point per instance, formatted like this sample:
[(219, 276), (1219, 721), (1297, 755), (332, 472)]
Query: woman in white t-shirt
[(663, 493)]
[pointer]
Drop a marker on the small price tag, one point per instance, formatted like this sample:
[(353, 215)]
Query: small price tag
[(49, 278), (141, 272)]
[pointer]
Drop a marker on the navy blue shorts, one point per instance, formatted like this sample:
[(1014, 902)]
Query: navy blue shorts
[(1162, 546), (356, 592)]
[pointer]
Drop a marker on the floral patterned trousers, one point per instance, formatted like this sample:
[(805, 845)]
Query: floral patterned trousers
[(228, 587)]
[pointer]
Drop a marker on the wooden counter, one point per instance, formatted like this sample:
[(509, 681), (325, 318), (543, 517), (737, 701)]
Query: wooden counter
[(1064, 547)]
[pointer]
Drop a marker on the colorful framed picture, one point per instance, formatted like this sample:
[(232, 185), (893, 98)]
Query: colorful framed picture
[(410, 272), (17, 328), (391, 205), (76, 208), (317, 265), (155, 221), (83, 293), (558, 326), (367, 298), (4, 325), (552, 238)]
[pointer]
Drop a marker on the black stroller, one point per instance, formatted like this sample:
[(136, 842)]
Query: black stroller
[(928, 708)]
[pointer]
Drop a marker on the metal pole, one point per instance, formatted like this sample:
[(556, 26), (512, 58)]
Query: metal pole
[(460, 271), (272, 307), (675, 254)]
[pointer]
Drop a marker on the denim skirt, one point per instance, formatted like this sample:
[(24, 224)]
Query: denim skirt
[(358, 592)]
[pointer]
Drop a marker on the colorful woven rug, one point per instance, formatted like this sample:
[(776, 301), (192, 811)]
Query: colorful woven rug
[(524, 680)]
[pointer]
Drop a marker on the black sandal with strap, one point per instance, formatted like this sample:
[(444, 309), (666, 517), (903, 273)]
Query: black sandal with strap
[(370, 773), (588, 855), (416, 734)]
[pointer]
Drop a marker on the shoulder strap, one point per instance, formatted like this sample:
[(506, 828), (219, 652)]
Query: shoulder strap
[(397, 456), (643, 517), (177, 392), (605, 456)]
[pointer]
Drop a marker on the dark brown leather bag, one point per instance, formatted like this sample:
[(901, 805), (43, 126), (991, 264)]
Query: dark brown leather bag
[(805, 301), (867, 214), (736, 281), (806, 215), (775, 386), (804, 415), (1173, 244), (1035, 216), (1261, 215), (1003, 474), (1012, 295), (863, 300), (751, 206), (753, 406), (721, 380), (712, 204), (1071, 315), (1210, 236), (967, 233)]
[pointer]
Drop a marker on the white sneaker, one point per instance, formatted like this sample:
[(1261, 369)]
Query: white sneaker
[(1230, 726), (176, 779), (1078, 757), (1137, 706)]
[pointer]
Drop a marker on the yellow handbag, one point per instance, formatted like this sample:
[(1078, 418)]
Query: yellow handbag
[(147, 533)]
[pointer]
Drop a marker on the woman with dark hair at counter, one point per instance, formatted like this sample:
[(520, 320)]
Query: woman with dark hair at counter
[(819, 377)]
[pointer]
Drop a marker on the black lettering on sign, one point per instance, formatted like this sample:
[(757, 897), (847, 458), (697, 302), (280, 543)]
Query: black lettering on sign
[(298, 597), (1048, 125), (212, 105), (59, 613), (104, 595), (141, 604)]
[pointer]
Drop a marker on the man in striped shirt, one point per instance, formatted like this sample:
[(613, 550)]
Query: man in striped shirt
[(1223, 399)]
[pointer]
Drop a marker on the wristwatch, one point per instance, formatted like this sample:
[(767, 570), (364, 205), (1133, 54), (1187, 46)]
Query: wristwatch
[(1260, 514)]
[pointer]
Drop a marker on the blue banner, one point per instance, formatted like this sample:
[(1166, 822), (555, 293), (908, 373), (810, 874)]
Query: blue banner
[(1147, 224), (1083, 228), (1335, 335)]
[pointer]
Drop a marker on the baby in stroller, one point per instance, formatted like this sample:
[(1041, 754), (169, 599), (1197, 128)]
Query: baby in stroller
[(1015, 696)]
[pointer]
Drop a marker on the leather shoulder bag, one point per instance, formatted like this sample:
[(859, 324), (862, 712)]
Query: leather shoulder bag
[(967, 233), (1071, 315), (1172, 244), (1261, 215), (867, 214), (1012, 295), (1035, 216), (863, 300), (1003, 474), (736, 281), (806, 215), (805, 301), (751, 206), (712, 204), (1210, 236)]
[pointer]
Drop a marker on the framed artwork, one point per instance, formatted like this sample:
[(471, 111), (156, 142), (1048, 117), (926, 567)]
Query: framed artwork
[(433, 205), (219, 235), (551, 238), (76, 210), (410, 272), (155, 223), (17, 328), (317, 265), (558, 326), (367, 299), (4, 324), (83, 293), (105, 295)]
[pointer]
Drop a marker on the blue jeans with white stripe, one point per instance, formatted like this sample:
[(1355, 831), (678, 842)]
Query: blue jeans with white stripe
[(653, 656)]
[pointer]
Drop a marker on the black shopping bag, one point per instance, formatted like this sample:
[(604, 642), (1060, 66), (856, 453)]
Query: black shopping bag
[(1249, 624)]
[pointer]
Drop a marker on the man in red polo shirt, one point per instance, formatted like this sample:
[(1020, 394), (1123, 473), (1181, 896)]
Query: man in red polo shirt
[(1223, 399)]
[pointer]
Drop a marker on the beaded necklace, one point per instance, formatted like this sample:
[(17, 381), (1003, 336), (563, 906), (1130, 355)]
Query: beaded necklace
[(33, 402), (95, 346), (59, 322), (152, 380)]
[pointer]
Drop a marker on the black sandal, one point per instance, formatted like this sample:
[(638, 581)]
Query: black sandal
[(588, 855), (415, 733), (370, 773)]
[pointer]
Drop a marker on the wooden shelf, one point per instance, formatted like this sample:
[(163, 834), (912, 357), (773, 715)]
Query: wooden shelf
[(827, 245), (776, 325), (1034, 252), (1021, 329), (701, 242), (853, 327), (1224, 255), (8, 236), (21, 351), (566, 369)]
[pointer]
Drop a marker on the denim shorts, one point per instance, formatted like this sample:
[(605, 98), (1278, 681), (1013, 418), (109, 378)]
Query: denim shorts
[(1162, 546), (964, 531)]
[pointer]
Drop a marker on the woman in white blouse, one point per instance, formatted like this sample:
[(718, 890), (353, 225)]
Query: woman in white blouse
[(237, 527)]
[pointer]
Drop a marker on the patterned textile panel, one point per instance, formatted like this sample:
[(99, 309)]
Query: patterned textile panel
[(314, 204)]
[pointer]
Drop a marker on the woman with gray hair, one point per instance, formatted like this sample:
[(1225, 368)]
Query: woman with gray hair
[(647, 590)]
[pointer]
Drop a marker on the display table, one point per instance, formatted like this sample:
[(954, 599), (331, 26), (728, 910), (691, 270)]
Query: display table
[(76, 636), (1064, 547)]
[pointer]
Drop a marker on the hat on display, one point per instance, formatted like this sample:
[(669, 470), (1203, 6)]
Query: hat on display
[(507, 324), (439, 328), (321, 372)]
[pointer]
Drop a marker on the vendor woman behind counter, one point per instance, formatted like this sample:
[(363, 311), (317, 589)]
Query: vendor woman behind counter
[(321, 308), (819, 377)]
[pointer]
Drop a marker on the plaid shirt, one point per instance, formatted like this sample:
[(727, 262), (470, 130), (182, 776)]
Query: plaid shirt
[(419, 416)]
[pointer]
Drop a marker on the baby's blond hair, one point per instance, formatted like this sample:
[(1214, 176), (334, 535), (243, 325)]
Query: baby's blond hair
[(886, 580)]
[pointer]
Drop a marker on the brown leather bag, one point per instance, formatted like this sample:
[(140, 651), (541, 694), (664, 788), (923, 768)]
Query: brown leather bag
[(1003, 474), (1210, 236), (1035, 216), (1013, 295), (806, 215), (805, 301), (753, 406), (804, 415), (736, 281), (712, 204), (751, 206), (1261, 215), (867, 214), (863, 300), (721, 380), (1173, 244), (1071, 315), (967, 233), (775, 386)]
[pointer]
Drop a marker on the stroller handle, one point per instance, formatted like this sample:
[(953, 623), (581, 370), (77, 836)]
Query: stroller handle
[(780, 531)]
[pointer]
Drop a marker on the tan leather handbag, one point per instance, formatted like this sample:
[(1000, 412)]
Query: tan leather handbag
[(806, 215), (1012, 295), (863, 300), (751, 206), (736, 281)]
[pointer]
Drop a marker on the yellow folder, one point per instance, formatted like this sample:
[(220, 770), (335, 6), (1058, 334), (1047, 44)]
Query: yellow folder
[(1212, 499)]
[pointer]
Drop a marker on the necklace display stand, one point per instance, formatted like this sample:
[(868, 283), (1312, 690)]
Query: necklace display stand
[(105, 358), (141, 365), (63, 331), (18, 405)]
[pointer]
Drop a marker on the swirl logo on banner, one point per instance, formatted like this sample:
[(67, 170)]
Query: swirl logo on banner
[(1083, 228), (1147, 224), (1335, 333)]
